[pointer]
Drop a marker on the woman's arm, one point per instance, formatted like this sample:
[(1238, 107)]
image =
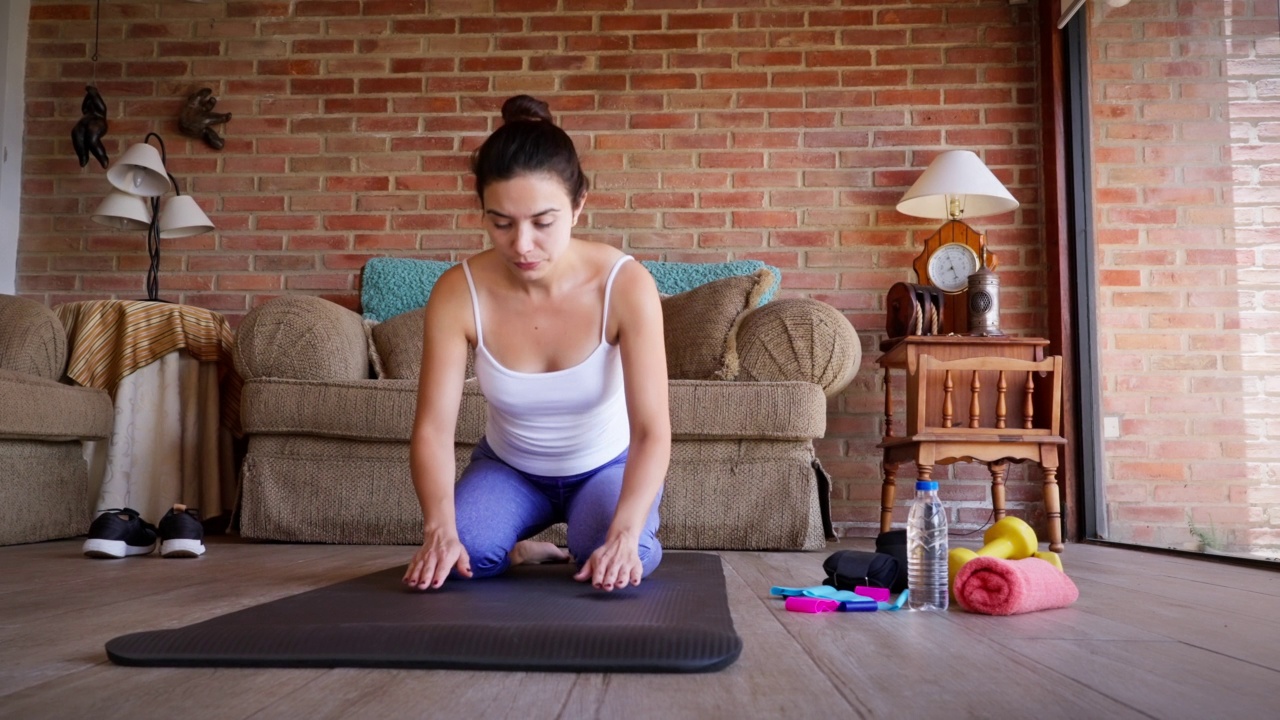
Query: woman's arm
[(637, 312), (431, 460)]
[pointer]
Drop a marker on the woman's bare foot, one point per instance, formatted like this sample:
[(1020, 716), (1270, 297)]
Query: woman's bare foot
[(530, 552)]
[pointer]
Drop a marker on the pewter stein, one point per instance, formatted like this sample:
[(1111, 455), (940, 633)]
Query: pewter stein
[(984, 302)]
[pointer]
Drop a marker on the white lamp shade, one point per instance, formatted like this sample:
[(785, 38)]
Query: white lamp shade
[(123, 211), (959, 175), (180, 216), (140, 171)]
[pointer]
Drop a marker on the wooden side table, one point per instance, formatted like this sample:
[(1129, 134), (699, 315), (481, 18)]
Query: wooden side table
[(992, 400), (169, 371)]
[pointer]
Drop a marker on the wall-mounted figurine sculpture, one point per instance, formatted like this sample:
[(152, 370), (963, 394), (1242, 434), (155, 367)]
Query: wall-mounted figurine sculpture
[(86, 136), (197, 116)]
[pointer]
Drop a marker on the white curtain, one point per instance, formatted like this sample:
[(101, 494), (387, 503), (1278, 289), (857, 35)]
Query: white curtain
[(167, 445)]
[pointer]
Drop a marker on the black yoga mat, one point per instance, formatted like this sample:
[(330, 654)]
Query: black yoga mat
[(534, 617)]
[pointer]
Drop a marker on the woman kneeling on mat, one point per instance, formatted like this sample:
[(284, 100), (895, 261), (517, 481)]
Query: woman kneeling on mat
[(569, 355)]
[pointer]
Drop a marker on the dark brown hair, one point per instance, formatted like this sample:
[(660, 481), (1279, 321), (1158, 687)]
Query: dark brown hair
[(528, 142)]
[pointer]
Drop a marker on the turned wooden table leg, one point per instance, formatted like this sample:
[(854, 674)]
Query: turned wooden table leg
[(998, 472), (888, 405), (887, 491), (1053, 508)]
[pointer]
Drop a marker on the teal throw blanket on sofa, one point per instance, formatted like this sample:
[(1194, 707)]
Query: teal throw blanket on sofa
[(391, 286)]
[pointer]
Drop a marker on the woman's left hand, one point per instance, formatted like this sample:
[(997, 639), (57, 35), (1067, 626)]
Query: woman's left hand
[(614, 565)]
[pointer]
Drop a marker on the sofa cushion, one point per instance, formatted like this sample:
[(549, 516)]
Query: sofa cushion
[(398, 344), (39, 409), (755, 410), (799, 339), (375, 360), (376, 410), (383, 410), (673, 278), (699, 325), (303, 337), (32, 339)]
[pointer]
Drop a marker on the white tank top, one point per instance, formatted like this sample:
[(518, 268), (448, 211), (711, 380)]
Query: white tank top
[(555, 423)]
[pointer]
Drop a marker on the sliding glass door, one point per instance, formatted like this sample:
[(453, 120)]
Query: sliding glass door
[(1184, 137)]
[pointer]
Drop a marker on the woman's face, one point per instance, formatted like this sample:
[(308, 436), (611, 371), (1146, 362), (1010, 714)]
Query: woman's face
[(529, 219)]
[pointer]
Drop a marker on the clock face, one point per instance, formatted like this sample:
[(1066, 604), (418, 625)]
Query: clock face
[(950, 267)]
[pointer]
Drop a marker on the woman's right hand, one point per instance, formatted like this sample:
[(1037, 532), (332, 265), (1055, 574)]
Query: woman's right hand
[(440, 553)]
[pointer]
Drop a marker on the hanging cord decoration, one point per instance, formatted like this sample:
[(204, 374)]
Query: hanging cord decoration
[(97, 32), (86, 136)]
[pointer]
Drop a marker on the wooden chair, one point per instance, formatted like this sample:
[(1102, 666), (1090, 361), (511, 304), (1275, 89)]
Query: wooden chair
[(1014, 412)]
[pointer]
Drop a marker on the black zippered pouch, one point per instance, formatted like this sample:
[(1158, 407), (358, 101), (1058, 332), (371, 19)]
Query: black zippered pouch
[(885, 568)]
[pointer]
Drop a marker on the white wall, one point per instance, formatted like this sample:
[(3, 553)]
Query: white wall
[(13, 65)]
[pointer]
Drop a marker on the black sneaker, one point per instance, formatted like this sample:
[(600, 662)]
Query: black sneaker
[(118, 533), (181, 534)]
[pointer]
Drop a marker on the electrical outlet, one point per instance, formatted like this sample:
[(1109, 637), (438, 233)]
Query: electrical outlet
[(1111, 427)]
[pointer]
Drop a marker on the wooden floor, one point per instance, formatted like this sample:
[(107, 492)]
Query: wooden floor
[(1151, 636)]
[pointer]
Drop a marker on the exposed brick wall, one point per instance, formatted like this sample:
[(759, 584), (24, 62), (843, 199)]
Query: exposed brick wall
[(782, 130), (1186, 157)]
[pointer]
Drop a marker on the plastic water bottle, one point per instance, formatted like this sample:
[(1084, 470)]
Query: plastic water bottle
[(927, 549)]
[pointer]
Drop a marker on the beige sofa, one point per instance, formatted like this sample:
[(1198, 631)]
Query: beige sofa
[(44, 482), (328, 454)]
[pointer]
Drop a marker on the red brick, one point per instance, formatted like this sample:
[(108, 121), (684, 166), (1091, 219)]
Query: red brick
[(734, 80), (630, 22), (388, 85), (764, 218), (694, 220), (643, 201), (490, 25), (738, 239), (735, 199), (385, 241), (313, 281), (665, 41), (663, 81), (700, 21), (559, 24), (736, 160)]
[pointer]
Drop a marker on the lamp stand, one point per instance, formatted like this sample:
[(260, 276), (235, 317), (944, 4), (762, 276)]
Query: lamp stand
[(153, 251), (153, 230), (141, 178)]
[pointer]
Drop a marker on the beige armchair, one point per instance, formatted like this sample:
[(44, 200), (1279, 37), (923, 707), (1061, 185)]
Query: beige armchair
[(44, 480)]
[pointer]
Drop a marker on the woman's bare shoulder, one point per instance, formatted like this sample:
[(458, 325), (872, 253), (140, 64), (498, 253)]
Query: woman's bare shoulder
[(633, 283), (451, 281), (596, 253), (450, 291)]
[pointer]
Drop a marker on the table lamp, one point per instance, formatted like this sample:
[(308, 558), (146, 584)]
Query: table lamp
[(958, 185), (140, 178)]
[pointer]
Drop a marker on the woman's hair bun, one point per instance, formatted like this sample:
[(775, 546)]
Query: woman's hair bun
[(525, 108)]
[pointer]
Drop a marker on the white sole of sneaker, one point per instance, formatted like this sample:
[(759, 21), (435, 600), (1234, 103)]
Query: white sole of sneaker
[(181, 548), (98, 548)]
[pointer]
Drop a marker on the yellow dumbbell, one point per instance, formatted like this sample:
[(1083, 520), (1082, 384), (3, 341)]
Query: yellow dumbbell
[(1010, 538)]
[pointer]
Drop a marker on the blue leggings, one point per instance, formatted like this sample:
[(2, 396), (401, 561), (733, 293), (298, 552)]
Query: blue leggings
[(498, 505)]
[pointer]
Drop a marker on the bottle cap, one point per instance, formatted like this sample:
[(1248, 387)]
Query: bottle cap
[(926, 485)]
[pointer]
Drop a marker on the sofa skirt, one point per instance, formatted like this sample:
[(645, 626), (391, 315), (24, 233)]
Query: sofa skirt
[(44, 491), (721, 494)]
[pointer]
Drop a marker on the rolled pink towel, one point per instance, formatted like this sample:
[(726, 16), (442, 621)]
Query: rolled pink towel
[(993, 586)]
